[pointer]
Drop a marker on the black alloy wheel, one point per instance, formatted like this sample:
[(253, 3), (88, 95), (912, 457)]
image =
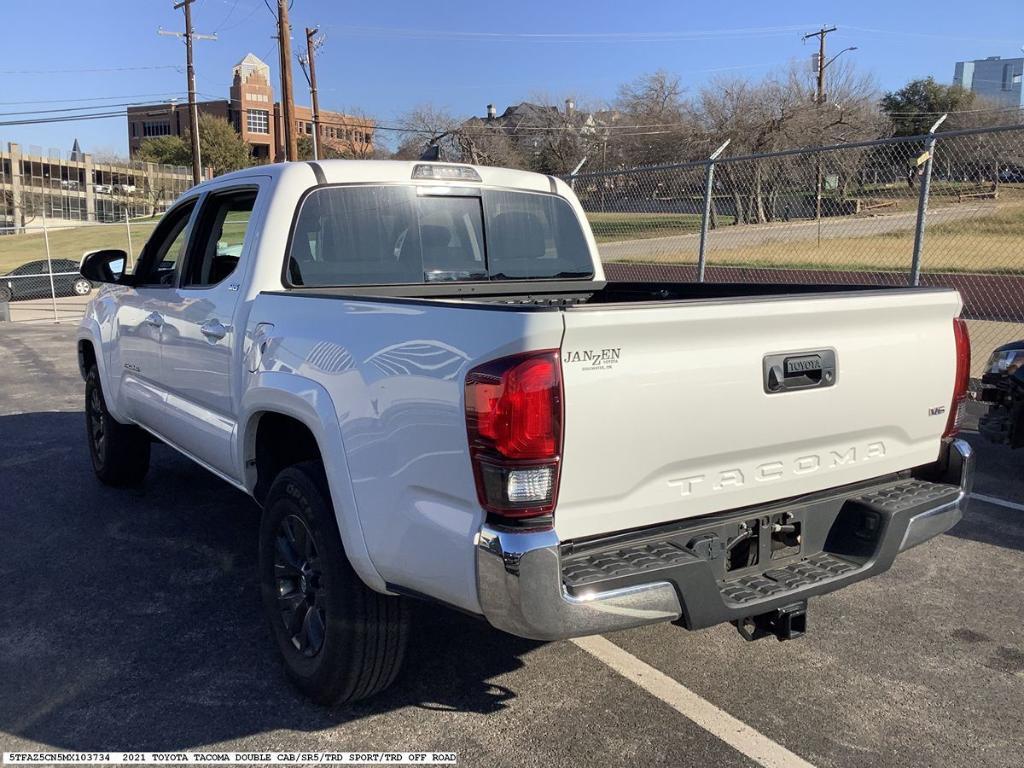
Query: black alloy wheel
[(301, 594), (97, 417)]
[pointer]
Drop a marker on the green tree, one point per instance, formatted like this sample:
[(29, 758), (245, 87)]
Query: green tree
[(220, 146), (914, 107), (165, 150)]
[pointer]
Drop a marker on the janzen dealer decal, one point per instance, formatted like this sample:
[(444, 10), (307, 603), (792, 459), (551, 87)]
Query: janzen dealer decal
[(592, 359)]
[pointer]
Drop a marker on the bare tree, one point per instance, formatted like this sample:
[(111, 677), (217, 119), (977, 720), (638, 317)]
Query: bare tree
[(652, 122), (782, 111), (426, 125)]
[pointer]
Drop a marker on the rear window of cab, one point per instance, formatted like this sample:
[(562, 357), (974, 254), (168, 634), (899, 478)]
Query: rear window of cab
[(412, 234)]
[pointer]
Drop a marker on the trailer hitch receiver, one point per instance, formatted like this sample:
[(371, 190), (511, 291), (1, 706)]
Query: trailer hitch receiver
[(785, 623)]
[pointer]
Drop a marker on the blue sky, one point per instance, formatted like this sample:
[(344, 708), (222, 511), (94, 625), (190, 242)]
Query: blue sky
[(383, 58)]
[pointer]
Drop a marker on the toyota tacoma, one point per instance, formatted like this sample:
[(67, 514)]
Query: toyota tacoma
[(421, 374)]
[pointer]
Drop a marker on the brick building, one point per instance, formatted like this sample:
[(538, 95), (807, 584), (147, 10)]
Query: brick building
[(251, 109)]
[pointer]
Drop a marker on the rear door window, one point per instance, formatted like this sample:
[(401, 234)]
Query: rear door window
[(533, 236)]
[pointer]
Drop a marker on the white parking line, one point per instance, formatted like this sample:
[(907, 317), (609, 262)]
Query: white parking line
[(998, 502), (715, 721)]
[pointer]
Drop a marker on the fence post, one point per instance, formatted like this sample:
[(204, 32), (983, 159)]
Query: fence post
[(709, 182), (922, 202), (49, 265), (572, 174), (128, 230)]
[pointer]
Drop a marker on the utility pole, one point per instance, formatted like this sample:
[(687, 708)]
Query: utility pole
[(193, 110), (819, 99), (821, 34), (309, 60), (284, 48)]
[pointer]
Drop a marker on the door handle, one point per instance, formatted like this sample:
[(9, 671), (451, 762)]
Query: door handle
[(155, 319), (214, 330), (799, 370)]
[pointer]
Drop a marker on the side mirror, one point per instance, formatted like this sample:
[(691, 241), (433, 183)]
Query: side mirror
[(106, 266)]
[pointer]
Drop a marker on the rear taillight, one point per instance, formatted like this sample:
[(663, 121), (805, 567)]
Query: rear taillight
[(963, 375), (514, 421)]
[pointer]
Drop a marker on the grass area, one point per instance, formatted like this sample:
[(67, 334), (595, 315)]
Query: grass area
[(990, 243), (609, 227), (943, 252), (71, 243), (1006, 220)]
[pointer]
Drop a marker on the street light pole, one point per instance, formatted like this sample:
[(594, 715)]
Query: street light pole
[(821, 34), (819, 99)]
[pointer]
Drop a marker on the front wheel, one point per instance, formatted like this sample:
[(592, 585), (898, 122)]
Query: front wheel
[(5, 294), (119, 452), (340, 640)]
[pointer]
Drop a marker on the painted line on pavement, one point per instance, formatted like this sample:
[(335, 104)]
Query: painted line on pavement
[(719, 723), (998, 502)]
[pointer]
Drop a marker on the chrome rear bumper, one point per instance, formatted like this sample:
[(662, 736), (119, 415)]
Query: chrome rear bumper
[(522, 590)]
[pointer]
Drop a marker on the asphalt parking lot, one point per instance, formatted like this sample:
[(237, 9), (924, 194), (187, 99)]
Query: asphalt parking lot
[(130, 620)]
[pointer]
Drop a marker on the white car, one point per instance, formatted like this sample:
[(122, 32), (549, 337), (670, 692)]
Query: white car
[(421, 374)]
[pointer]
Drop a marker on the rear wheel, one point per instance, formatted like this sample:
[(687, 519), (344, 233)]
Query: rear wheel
[(82, 287), (120, 452), (340, 640), (5, 293)]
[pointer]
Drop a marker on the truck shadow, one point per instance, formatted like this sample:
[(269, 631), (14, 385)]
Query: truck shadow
[(131, 619), (997, 474)]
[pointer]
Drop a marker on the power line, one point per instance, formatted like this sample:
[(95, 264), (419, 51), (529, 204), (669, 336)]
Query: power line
[(93, 69), (933, 36), (240, 22), (65, 118), (171, 94), (74, 109), (568, 37), (228, 16)]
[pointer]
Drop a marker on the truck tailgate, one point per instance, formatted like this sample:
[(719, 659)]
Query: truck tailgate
[(668, 413)]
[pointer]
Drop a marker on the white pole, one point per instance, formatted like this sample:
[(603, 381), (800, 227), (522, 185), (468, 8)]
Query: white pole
[(49, 265), (128, 229), (572, 175)]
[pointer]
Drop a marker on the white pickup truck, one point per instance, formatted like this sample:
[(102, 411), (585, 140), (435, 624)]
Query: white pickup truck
[(421, 374)]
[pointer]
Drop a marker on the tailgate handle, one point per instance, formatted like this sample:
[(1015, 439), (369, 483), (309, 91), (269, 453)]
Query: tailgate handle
[(790, 371)]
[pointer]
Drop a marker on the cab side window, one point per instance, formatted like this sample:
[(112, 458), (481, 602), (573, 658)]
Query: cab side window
[(159, 261), (220, 237)]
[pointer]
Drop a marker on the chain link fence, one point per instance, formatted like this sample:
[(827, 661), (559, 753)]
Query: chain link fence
[(56, 206), (944, 209), (39, 278)]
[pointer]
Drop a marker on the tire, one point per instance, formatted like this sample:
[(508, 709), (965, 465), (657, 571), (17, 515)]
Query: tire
[(5, 293), (340, 640), (119, 452), (82, 287)]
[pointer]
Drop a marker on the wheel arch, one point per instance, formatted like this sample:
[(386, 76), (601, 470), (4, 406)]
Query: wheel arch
[(90, 350), (86, 356), (295, 409)]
